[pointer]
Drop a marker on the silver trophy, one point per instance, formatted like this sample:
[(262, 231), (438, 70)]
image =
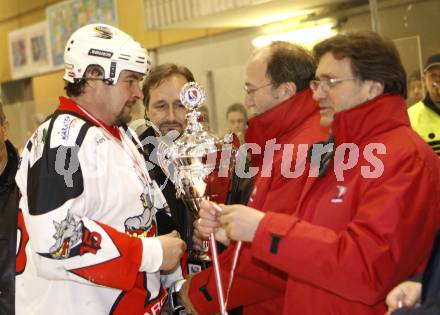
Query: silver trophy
[(200, 165)]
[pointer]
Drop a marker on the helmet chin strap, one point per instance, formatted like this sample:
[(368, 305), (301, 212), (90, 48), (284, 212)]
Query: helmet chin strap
[(106, 81)]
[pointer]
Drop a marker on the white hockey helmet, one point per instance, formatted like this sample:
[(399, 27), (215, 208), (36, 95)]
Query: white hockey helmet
[(106, 46)]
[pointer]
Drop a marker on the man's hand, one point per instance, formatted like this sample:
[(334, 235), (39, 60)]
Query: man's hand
[(207, 224), (173, 248), (240, 222), (184, 298), (407, 293)]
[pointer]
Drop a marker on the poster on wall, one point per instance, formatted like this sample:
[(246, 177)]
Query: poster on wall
[(29, 51), (66, 17)]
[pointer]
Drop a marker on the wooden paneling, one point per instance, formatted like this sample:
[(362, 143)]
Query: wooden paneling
[(25, 6), (168, 37), (32, 17), (215, 31), (47, 88), (15, 14), (130, 16), (5, 28), (8, 9), (131, 21)]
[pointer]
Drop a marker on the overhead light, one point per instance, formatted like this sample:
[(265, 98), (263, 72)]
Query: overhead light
[(280, 17), (305, 36)]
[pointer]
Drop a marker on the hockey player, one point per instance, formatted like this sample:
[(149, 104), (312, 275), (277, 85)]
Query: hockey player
[(88, 202)]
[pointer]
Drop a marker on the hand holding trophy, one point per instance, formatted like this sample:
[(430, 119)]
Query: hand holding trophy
[(202, 166)]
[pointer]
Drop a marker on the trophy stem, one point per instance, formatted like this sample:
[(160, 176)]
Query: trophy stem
[(193, 123), (218, 280), (201, 172)]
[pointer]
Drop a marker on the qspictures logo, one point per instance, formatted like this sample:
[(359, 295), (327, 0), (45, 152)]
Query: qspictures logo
[(296, 159)]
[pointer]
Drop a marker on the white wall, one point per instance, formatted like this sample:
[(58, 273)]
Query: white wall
[(225, 55)]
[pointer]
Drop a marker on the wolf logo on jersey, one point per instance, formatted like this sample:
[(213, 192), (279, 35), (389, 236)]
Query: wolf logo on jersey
[(72, 238), (68, 235)]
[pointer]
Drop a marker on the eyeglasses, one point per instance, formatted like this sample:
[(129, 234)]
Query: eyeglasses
[(327, 84), (249, 91)]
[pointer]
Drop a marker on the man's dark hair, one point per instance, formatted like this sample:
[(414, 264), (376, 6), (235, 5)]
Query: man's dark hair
[(160, 73), (290, 63), (372, 58), (77, 88), (237, 107)]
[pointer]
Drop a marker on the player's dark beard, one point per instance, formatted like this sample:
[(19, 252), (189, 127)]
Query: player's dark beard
[(124, 116)]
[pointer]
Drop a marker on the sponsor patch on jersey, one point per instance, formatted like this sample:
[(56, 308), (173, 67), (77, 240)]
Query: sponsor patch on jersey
[(65, 130), (101, 140), (68, 122), (38, 140), (100, 53)]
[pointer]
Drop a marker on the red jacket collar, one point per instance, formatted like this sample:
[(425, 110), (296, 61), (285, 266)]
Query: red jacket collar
[(69, 105), (357, 124), (281, 119)]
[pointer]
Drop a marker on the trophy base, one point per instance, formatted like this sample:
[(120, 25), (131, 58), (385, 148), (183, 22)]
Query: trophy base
[(196, 265)]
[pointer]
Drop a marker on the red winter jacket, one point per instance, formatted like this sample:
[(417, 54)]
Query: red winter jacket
[(257, 286), (351, 241)]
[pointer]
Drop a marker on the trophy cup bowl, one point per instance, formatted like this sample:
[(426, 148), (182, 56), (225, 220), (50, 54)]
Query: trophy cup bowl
[(201, 165)]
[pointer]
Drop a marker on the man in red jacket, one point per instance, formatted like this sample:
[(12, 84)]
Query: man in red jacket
[(287, 123), (366, 223)]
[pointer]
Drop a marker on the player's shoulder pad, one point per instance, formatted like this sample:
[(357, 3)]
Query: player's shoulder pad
[(68, 130)]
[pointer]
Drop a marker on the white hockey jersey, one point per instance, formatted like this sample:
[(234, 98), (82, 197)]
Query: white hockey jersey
[(89, 216)]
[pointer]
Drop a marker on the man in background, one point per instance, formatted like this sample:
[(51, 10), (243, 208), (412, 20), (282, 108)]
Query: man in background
[(163, 108), (237, 117), (8, 218), (415, 88), (425, 115), (165, 111)]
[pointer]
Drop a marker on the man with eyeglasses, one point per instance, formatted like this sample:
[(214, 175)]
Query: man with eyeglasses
[(277, 88), (351, 240)]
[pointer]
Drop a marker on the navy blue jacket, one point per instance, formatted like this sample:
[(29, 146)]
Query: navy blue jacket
[(430, 286), (8, 232)]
